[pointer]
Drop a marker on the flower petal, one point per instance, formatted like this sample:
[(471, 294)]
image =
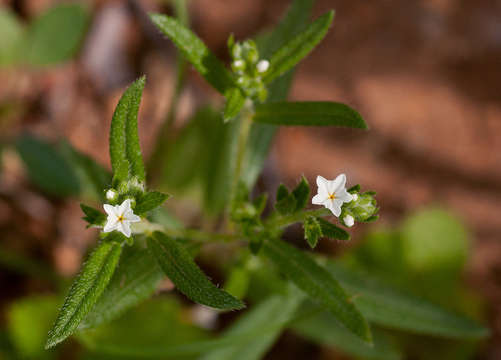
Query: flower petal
[(322, 182), (318, 199), (124, 206), (131, 217), (344, 195), (337, 184), (111, 223), (334, 206), (125, 228), (110, 209)]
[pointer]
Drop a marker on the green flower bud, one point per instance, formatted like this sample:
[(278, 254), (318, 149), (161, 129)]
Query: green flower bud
[(362, 208)]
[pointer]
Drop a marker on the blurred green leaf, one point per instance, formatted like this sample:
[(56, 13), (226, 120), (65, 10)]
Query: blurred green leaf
[(433, 239), (179, 266), (387, 306), (85, 290), (56, 35), (149, 201), (47, 168), (332, 231), (135, 279), (11, 37), (93, 216), (287, 56), (148, 331), (312, 231), (125, 151), (324, 329), (314, 113), (93, 177), (238, 282), (235, 101), (319, 284), (302, 194), (267, 320), (286, 203), (294, 21), (195, 51), (28, 321)]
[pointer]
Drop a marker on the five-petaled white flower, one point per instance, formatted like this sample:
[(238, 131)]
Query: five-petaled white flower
[(120, 217), (332, 193)]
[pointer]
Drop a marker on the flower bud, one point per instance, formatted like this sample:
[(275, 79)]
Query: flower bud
[(348, 220), (111, 195), (362, 208)]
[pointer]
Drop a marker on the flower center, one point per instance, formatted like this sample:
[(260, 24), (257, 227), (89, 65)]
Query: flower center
[(332, 196), (120, 218)]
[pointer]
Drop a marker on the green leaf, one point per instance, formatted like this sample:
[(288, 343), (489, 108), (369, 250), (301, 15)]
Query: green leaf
[(301, 194), (93, 216), (149, 201), (195, 51), (28, 321), (332, 231), (148, 331), (319, 284), (266, 320), (323, 329), (286, 203), (93, 177), (178, 265), (47, 168), (314, 113), (312, 231), (56, 35), (388, 306), (135, 279), (85, 290), (235, 101), (125, 152), (11, 37), (297, 48)]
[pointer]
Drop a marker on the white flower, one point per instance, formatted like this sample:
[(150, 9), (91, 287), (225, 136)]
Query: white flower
[(120, 217), (262, 66), (332, 194), (111, 194), (349, 220)]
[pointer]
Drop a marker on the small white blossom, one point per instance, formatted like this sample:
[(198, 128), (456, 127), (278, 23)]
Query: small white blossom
[(354, 197), (332, 193), (349, 220), (262, 66), (120, 217), (111, 194)]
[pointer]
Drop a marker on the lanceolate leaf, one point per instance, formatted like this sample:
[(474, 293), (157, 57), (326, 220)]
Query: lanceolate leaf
[(86, 290), (266, 320), (332, 231), (312, 231), (178, 265), (321, 113), (135, 280), (93, 216), (235, 100), (319, 284), (301, 194), (47, 168), (387, 306), (298, 47), (125, 152), (149, 201), (193, 49)]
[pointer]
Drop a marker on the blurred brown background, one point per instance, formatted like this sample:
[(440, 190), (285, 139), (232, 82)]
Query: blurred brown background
[(426, 76)]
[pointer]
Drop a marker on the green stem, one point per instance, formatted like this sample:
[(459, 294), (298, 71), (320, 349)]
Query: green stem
[(283, 221)]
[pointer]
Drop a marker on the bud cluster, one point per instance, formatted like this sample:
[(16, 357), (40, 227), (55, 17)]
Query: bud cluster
[(131, 189), (248, 68), (363, 208)]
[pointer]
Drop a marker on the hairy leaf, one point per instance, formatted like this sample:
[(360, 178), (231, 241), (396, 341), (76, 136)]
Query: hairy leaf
[(312, 231), (235, 100), (319, 284), (195, 51), (388, 306), (267, 320), (179, 266), (125, 152), (301, 194), (297, 48), (47, 168), (135, 279), (149, 201), (314, 113), (85, 290), (93, 216), (286, 203), (56, 35), (332, 231)]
